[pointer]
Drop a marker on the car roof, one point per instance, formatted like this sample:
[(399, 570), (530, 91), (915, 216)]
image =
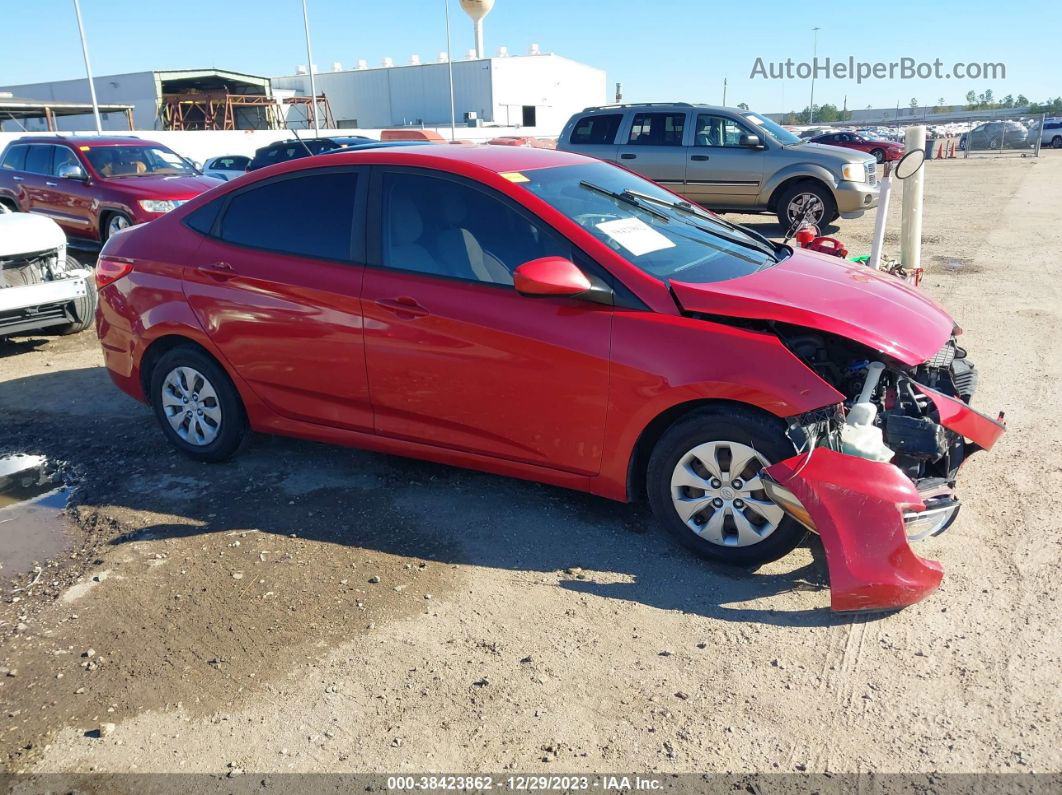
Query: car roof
[(86, 140), (499, 159), (661, 106)]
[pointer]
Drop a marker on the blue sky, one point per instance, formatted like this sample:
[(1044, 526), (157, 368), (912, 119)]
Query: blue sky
[(658, 49)]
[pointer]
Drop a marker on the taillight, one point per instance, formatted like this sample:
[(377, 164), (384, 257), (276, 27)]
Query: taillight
[(110, 270)]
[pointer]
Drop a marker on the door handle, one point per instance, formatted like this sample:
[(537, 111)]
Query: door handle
[(17, 179), (628, 156), (699, 157), (52, 184), (217, 270), (403, 306)]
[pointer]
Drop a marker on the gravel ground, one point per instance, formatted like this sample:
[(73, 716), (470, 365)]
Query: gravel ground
[(315, 608)]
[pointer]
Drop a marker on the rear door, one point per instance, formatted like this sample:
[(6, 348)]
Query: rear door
[(654, 147), (276, 285), (38, 170), (595, 135), (721, 172)]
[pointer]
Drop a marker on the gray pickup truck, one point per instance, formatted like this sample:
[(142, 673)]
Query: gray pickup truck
[(728, 159)]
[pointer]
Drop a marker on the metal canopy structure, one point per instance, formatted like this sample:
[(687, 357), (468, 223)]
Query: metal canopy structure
[(215, 99), (17, 108), (318, 114)]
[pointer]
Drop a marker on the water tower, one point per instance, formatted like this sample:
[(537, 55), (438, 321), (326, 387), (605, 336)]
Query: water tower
[(477, 9)]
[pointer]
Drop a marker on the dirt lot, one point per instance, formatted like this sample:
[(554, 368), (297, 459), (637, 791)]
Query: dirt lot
[(231, 614)]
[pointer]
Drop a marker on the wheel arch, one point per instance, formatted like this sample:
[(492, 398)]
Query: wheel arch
[(638, 463), (783, 180), (163, 345)]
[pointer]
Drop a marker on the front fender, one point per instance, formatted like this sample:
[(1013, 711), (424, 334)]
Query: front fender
[(797, 170)]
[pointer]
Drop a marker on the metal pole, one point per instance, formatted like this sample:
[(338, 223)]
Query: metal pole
[(1040, 137), (814, 55), (877, 242), (88, 68), (450, 67), (309, 65), (911, 205), (724, 92)]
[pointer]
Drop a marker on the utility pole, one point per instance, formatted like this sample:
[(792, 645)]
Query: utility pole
[(88, 69), (814, 55), (724, 92), (450, 67), (309, 64)]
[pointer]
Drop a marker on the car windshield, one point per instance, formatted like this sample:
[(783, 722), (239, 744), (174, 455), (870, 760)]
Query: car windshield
[(137, 161), (780, 133), (655, 230)]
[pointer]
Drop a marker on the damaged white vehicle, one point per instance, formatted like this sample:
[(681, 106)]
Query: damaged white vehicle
[(41, 288)]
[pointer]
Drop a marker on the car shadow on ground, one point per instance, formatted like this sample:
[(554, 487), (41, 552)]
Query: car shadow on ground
[(336, 495)]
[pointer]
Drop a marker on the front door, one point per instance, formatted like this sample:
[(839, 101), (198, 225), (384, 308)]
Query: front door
[(654, 148), (276, 285), (722, 173), (456, 357)]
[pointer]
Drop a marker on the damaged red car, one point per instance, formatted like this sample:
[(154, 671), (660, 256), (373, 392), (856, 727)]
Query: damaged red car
[(543, 315)]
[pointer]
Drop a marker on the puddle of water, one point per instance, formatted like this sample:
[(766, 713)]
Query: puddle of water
[(32, 527)]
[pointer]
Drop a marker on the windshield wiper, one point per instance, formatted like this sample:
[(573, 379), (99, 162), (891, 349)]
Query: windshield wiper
[(764, 244), (627, 197)]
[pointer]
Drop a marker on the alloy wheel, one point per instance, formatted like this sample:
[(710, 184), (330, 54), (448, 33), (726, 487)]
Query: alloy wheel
[(116, 223), (190, 404), (805, 206), (717, 492)]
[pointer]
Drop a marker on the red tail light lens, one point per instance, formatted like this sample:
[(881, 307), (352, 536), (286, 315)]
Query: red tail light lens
[(110, 270)]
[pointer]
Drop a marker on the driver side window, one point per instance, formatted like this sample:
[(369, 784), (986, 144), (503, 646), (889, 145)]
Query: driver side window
[(712, 130)]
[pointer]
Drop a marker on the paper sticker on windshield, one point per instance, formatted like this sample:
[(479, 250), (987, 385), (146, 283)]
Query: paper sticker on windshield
[(635, 235), (514, 176)]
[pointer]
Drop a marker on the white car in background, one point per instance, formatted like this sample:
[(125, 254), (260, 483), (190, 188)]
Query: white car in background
[(40, 286), (1051, 135), (226, 167)]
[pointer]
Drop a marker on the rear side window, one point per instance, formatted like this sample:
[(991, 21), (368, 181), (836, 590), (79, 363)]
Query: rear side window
[(310, 215), (657, 129), (39, 159), (15, 159), (596, 129), (202, 220)]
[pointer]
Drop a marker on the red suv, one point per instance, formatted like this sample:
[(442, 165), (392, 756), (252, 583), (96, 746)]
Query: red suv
[(547, 316), (95, 186)]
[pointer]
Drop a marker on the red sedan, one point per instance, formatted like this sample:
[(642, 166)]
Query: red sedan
[(882, 150), (548, 316)]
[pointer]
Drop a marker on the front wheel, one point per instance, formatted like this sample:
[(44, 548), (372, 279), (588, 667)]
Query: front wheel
[(1056, 142), (114, 224), (806, 202), (84, 308), (197, 405), (879, 155), (704, 486)]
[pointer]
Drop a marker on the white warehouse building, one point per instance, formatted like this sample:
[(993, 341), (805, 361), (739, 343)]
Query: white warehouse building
[(539, 91)]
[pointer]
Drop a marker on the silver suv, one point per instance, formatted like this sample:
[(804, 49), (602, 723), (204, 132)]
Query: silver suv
[(728, 159)]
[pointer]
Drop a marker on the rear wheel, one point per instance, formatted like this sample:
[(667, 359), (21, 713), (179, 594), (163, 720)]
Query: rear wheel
[(879, 155), (704, 486), (197, 405), (806, 201), (83, 308), (1056, 142)]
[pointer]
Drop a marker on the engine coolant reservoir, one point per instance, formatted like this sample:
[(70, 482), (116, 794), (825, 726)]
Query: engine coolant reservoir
[(861, 437)]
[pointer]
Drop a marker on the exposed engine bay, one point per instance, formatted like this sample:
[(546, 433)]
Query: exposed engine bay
[(22, 270)]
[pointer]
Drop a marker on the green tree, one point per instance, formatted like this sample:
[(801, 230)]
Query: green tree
[(914, 102), (1007, 101), (1022, 100), (988, 97), (971, 100), (743, 105)]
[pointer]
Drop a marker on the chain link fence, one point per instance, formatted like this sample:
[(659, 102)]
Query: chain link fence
[(1019, 136)]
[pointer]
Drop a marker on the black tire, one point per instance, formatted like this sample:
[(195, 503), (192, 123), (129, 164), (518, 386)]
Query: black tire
[(107, 221), (879, 155), (994, 143), (789, 195), (84, 308), (745, 427), (1056, 142), (232, 428), (7, 206)]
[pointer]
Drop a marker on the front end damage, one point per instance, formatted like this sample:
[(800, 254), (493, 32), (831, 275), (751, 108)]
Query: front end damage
[(878, 472)]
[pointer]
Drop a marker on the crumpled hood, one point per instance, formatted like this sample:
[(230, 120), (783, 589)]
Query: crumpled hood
[(25, 233), (828, 294)]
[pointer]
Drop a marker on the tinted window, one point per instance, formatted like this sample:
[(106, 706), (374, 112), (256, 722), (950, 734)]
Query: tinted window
[(15, 159), (717, 131), (657, 129), (202, 220), (63, 157), (311, 215), (445, 228), (230, 163), (596, 129), (39, 159)]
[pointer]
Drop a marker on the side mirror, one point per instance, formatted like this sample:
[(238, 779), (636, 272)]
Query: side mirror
[(553, 276), (751, 141), (71, 171)]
